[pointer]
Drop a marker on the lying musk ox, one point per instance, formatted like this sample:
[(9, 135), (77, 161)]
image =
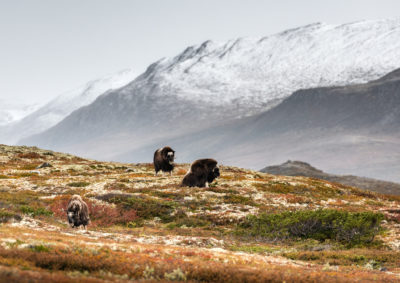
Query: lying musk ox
[(164, 160), (201, 173), (78, 212)]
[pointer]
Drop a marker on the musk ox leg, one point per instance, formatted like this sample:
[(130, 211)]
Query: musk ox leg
[(207, 185)]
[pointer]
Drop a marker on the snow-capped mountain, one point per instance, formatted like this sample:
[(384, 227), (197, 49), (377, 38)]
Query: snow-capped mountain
[(63, 105), (211, 83), (249, 73)]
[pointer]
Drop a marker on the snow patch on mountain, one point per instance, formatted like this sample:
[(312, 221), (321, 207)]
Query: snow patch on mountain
[(11, 112), (253, 72), (63, 105)]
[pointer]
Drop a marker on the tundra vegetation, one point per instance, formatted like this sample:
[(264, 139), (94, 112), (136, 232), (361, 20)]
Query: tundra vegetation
[(246, 227)]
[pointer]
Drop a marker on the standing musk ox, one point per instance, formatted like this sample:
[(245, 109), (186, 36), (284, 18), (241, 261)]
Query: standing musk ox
[(164, 160), (201, 173), (77, 212)]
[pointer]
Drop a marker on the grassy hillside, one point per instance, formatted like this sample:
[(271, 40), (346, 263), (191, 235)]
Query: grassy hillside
[(247, 227)]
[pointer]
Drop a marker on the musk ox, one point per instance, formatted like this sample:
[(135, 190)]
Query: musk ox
[(164, 160), (201, 173), (77, 212)]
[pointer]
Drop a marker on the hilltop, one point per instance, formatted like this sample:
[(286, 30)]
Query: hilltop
[(247, 227), (299, 168)]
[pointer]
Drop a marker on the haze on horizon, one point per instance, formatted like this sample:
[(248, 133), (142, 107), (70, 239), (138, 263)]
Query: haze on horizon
[(49, 47)]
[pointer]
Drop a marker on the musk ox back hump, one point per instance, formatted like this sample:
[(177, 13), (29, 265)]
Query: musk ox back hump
[(201, 172)]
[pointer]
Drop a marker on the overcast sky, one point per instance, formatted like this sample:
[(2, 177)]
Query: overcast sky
[(48, 47)]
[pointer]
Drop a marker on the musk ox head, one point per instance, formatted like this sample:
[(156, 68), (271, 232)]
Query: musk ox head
[(77, 212), (201, 173), (213, 174), (170, 156), (164, 159)]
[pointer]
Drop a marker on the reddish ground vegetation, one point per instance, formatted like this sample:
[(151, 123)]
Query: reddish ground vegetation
[(29, 155), (100, 214)]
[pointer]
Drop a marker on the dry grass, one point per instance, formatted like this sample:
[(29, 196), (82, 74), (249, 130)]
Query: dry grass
[(149, 228)]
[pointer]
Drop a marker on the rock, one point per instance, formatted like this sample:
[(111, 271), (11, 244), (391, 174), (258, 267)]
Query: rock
[(44, 165)]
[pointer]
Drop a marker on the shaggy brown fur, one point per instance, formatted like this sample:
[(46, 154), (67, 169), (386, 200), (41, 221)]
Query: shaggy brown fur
[(77, 212), (164, 160), (201, 173)]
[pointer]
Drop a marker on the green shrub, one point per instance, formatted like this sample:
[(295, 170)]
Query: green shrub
[(6, 216), (188, 222), (341, 226), (238, 199), (221, 190), (39, 248), (78, 184), (252, 249), (35, 211)]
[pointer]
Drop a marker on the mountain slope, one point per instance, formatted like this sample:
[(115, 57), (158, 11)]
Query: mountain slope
[(211, 83), (298, 168), (57, 109), (347, 130)]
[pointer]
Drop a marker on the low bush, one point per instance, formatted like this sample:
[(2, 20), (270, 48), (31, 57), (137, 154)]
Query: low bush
[(35, 211), (146, 208), (78, 184), (221, 190), (359, 257), (24, 197), (6, 216), (100, 214), (106, 215), (26, 174), (29, 155), (29, 166), (341, 226), (39, 248), (188, 222), (238, 199)]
